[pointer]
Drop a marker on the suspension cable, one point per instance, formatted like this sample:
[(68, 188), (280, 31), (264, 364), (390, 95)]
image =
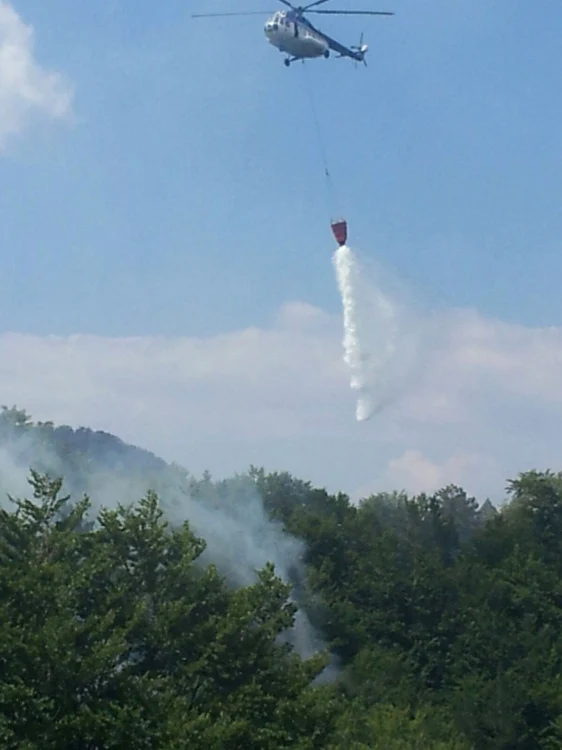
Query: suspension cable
[(330, 190)]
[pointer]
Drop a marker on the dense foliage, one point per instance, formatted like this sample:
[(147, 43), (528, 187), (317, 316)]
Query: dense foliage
[(445, 618)]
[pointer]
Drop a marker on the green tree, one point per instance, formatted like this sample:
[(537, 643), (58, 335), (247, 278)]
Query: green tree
[(113, 638)]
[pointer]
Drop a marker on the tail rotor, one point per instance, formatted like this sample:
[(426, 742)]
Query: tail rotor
[(361, 49)]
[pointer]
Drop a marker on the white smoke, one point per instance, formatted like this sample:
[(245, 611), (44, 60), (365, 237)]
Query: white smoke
[(229, 516), (382, 332)]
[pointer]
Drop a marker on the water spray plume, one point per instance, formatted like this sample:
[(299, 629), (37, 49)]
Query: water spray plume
[(380, 335)]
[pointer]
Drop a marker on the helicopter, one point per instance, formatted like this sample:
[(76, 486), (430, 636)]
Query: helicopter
[(293, 34)]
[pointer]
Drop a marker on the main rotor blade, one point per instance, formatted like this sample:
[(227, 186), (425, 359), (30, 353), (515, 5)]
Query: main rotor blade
[(285, 2), (247, 13), (354, 12), (311, 5)]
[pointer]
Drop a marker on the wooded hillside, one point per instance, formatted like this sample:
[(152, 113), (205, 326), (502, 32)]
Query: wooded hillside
[(441, 619)]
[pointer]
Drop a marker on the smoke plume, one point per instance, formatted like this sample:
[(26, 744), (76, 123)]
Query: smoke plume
[(228, 515)]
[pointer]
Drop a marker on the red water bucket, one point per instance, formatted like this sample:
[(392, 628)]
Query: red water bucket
[(339, 230)]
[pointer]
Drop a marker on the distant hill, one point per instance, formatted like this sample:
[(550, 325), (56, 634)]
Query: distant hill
[(76, 454), (101, 449)]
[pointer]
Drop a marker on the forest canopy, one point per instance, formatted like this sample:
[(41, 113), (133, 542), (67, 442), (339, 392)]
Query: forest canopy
[(438, 618)]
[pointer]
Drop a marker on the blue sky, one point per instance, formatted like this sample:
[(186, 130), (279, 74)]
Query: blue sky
[(188, 196), (182, 195)]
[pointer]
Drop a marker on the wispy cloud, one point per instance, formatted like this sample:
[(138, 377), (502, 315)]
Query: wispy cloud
[(486, 404), (27, 90)]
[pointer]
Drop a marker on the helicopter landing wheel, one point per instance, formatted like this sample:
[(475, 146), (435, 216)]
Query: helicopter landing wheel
[(327, 54), (287, 62)]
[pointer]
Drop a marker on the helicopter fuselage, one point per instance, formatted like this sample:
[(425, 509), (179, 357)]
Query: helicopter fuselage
[(290, 35)]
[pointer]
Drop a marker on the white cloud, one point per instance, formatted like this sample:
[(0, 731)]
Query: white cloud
[(27, 90), (486, 405), (413, 472)]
